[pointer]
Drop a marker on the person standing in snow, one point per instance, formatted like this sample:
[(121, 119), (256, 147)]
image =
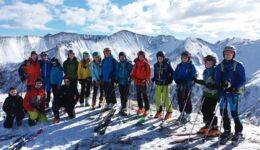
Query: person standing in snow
[(45, 74), (23, 70), (209, 98), (123, 77), (108, 77), (13, 107), (70, 68), (85, 79), (67, 97), (56, 76), (163, 76), (183, 76), (141, 75), (95, 69), (34, 103), (33, 69), (230, 75)]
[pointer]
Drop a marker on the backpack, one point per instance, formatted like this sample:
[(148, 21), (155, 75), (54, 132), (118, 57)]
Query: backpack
[(240, 90)]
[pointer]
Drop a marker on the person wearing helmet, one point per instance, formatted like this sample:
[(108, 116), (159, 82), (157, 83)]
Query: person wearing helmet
[(56, 76), (183, 75), (108, 69), (34, 70), (68, 96), (70, 68), (141, 75), (123, 77), (34, 103), (163, 74), (45, 75), (85, 79), (95, 69), (230, 75), (209, 98)]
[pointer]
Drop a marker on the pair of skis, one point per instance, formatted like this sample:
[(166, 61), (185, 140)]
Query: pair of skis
[(8, 137), (19, 142), (102, 126)]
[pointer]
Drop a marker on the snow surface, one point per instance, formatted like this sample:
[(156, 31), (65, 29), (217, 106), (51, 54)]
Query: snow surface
[(119, 135)]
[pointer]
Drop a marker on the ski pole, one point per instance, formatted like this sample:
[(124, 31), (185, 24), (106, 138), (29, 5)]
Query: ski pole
[(202, 102), (182, 113)]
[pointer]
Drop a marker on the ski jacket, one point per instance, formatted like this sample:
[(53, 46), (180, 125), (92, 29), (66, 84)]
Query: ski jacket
[(70, 68), (95, 70), (56, 76), (68, 95), (123, 73), (141, 72), (34, 71), (209, 79), (84, 69), (13, 105), (184, 74), (108, 69), (45, 69), (163, 73), (233, 72), (35, 100)]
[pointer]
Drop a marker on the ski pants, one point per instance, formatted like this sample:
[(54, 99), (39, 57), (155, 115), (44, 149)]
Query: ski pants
[(85, 88), (208, 109), (124, 92), (35, 115), (96, 86), (110, 94), (141, 91), (8, 123), (162, 93), (184, 96), (47, 88), (68, 107), (232, 100)]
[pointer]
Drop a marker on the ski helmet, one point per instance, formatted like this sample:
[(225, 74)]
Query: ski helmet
[(95, 54), (122, 54), (141, 53), (186, 53), (210, 58), (160, 54), (231, 49), (85, 54)]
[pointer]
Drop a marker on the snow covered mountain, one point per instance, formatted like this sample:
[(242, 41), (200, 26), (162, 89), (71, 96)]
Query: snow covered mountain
[(15, 49)]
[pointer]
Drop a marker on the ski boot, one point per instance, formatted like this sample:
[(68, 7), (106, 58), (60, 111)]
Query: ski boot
[(213, 132), (123, 112), (237, 138), (158, 114), (168, 116), (203, 130), (225, 137), (55, 121), (140, 111), (146, 113)]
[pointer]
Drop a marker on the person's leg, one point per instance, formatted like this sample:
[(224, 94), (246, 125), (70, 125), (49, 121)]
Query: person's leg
[(205, 111), (167, 99), (42, 118), (224, 113), (33, 116), (55, 109), (82, 91), (101, 94), (188, 107), (94, 97), (107, 94), (139, 98), (112, 93), (212, 106), (71, 112), (8, 123), (180, 100), (121, 91), (54, 88), (233, 103), (158, 98), (145, 98)]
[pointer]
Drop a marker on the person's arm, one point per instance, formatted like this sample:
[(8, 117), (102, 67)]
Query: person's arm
[(241, 77)]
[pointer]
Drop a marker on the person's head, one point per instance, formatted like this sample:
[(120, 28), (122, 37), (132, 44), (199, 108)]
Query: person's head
[(85, 55), (107, 52), (71, 54), (229, 52), (122, 56), (13, 91), (38, 83), (67, 80), (34, 55), (160, 56), (141, 55), (54, 61), (44, 56), (210, 61), (185, 56), (96, 56)]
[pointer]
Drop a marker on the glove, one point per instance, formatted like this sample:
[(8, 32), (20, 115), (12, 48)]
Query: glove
[(195, 79), (225, 85)]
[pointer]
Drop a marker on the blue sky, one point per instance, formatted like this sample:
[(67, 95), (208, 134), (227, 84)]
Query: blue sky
[(206, 19)]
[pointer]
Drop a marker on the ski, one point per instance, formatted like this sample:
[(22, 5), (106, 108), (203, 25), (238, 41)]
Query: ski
[(8, 137), (235, 143), (101, 128), (21, 141), (193, 138), (134, 117), (185, 134), (223, 141)]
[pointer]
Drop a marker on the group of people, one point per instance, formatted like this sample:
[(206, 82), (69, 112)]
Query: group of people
[(221, 83)]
